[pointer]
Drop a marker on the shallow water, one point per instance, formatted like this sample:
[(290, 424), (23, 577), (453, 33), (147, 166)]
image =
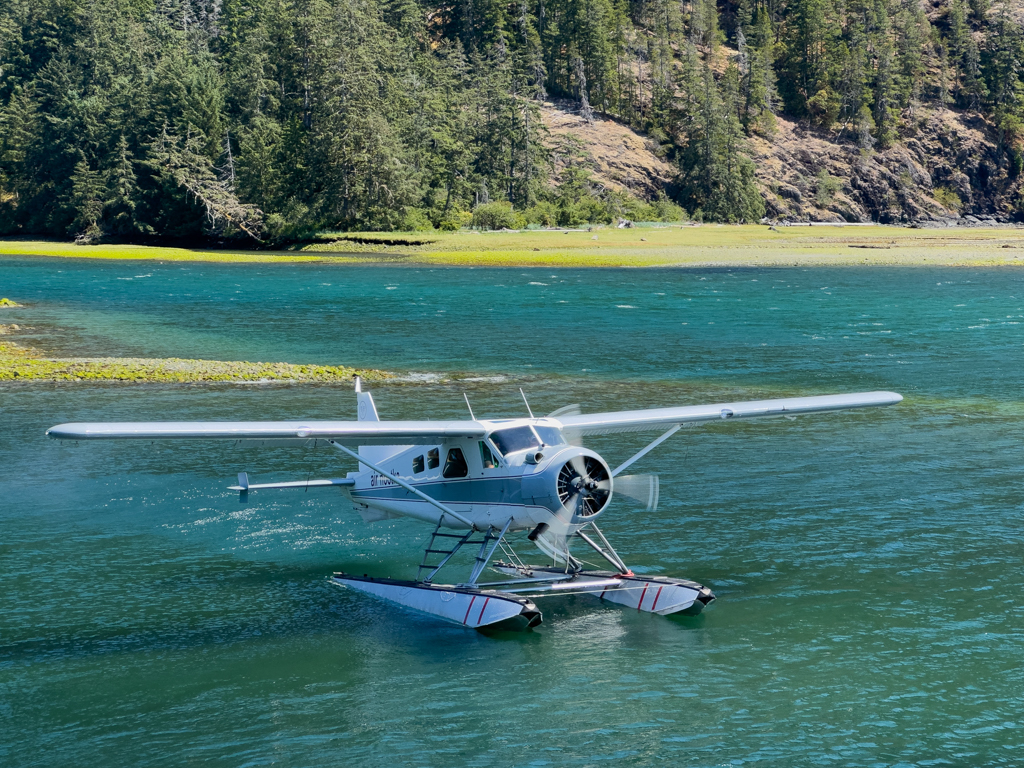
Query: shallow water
[(868, 565)]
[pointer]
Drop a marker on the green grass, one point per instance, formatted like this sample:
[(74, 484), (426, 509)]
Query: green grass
[(647, 246)]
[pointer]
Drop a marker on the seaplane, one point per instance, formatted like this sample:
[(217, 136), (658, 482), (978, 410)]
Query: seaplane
[(480, 481)]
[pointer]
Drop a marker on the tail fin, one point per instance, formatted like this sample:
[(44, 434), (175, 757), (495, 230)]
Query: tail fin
[(367, 411)]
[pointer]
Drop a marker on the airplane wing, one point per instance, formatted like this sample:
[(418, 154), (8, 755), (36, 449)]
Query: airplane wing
[(346, 432), (663, 418)]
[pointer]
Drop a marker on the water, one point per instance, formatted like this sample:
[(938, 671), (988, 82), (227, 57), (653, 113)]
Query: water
[(868, 565)]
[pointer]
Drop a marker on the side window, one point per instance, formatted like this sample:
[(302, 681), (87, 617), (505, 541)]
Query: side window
[(455, 464), (486, 457), (433, 460), (417, 465)]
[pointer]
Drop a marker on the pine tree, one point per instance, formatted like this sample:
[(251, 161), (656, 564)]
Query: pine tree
[(716, 178), (86, 200), (122, 195), (761, 94), (885, 90), (1005, 76), (182, 164)]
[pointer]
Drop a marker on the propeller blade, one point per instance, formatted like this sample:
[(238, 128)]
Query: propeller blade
[(643, 489), (554, 542), (580, 466), (566, 410), (572, 436)]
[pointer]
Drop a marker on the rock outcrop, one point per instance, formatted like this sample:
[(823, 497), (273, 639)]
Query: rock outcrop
[(946, 165), (946, 168)]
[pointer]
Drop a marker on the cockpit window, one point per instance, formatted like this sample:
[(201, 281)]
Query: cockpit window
[(515, 439), (486, 457), (550, 435), (455, 464)]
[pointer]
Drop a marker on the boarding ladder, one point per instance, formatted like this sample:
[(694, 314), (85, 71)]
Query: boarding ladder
[(458, 540)]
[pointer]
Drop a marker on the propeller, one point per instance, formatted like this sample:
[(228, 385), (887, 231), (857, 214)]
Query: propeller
[(572, 436), (584, 487), (566, 410), (552, 537), (642, 489)]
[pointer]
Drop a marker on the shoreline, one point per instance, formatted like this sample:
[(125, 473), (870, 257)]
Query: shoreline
[(707, 246), (21, 363)]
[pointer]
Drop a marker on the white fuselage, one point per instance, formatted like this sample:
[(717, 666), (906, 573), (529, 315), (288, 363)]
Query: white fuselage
[(471, 477)]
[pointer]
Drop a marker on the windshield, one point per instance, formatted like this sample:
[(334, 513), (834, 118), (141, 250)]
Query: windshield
[(515, 439), (550, 435)]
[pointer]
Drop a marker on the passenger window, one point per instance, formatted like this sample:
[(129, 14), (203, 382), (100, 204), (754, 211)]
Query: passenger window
[(455, 464), (417, 465), (433, 459), (486, 457)]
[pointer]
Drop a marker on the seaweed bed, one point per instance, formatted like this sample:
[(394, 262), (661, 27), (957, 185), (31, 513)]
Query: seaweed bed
[(20, 363)]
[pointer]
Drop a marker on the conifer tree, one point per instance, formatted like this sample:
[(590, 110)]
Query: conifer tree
[(761, 95), (122, 195), (86, 200)]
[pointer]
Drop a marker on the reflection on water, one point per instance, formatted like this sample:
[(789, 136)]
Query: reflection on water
[(868, 565)]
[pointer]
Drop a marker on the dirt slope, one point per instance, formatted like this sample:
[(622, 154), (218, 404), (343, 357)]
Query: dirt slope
[(619, 157)]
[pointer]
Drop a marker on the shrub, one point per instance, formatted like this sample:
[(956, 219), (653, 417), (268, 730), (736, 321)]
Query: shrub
[(453, 220), (666, 210), (497, 216), (593, 210), (947, 198), (543, 214), (416, 220), (826, 188)]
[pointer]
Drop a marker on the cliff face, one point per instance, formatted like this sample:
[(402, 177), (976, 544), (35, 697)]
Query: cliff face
[(946, 167)]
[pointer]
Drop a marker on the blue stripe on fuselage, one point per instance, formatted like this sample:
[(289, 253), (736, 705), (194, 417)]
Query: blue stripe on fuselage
[(470, 490)]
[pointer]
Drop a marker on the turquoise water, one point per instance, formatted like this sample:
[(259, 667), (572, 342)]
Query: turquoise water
[(868, 565)]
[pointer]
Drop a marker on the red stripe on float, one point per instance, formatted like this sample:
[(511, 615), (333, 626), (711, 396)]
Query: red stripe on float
[(655, 606), (481, 616), (469, 609), (642, 595)]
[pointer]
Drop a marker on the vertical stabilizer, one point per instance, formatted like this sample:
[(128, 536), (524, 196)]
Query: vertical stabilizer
[(367, 411)]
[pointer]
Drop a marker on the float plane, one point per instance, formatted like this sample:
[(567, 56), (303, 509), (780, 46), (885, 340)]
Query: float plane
[(480, 480)]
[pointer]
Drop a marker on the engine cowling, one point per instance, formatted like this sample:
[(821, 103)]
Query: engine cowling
[(575, 484)]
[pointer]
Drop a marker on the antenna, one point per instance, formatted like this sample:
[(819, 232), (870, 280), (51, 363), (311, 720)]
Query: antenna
[(359, 384), (528, 408), (469, 406)]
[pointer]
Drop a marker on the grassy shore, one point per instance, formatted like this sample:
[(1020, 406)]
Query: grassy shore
[(20, 363), (644, 246)]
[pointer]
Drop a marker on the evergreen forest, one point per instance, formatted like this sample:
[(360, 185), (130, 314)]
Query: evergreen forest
[(269, 120)]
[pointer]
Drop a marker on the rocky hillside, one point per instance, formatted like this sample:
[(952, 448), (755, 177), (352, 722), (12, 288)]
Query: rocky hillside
[(618, 157), (946, 166), (944, 170)]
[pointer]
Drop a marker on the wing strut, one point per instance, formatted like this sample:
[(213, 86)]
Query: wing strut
[(637, 456), (610, 554), (401, 482)]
